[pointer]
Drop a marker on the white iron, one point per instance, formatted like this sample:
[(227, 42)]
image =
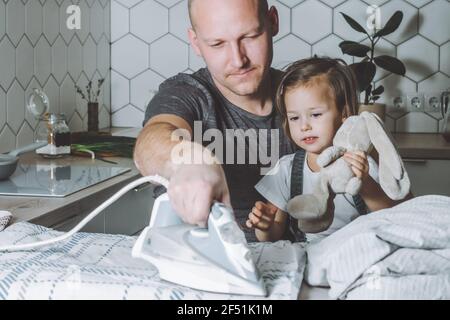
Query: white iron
[(215, 259)]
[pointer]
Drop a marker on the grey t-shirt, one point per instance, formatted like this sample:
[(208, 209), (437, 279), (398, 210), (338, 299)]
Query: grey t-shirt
[(195, 98)]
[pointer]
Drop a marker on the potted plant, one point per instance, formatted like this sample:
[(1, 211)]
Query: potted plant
[(365, 69), (91, 98)]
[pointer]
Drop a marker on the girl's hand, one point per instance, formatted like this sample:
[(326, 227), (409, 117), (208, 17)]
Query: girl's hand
[(262, 216), (359, 163)]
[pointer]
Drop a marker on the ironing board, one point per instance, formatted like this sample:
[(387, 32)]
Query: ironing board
[(100, 266)]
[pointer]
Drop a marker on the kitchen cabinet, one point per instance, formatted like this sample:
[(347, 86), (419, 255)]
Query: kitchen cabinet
[(428, 176)]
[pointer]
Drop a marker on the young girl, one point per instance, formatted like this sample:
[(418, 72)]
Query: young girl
[(315, 96)]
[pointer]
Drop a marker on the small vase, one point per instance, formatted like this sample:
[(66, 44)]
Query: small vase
[(93, 117), (378, 108)]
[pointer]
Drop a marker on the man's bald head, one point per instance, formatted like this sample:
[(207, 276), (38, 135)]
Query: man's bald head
[(263, 8)]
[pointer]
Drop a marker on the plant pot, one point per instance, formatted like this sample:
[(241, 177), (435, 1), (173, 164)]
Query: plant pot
[(378, 108), (92, 117)]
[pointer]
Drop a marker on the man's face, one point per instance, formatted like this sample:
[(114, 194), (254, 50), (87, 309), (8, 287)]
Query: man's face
[(235, 41)]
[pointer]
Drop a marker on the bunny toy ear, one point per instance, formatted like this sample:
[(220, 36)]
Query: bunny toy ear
[(393, 177)]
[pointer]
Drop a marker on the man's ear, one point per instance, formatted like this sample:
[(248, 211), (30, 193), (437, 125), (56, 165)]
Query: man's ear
[(274, 20), (194, 41)]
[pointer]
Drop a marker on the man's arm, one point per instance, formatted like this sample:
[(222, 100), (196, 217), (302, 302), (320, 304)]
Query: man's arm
[(193, 186)]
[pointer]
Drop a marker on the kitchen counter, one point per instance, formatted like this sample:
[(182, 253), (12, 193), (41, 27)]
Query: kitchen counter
[(49, 211), (422, 146)]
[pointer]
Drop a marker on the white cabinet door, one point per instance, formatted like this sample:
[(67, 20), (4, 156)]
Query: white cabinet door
[(429, 176)]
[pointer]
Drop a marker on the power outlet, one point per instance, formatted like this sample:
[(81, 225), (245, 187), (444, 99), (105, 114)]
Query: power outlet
[(415, 102), (399, 104), (432, 102)]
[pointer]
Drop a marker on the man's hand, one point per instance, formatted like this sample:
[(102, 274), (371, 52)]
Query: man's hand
[(262, 216), (194, 187)]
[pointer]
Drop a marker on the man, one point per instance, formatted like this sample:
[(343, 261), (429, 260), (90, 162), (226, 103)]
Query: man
[(235, 91)]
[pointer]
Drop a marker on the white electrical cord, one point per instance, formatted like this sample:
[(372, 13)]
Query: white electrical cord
[(151, 179)]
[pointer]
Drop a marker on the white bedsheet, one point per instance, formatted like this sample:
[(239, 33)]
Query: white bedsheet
[(397, 253), (100, 266)]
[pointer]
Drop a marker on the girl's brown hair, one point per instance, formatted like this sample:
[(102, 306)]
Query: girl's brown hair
[(340, 77)]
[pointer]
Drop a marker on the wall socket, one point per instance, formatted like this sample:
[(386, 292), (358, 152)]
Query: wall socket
[(399, 104), (432, 102), (415, 102)]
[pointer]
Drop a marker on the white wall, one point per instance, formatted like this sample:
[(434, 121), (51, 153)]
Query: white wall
[(149, 44), (37, 50)]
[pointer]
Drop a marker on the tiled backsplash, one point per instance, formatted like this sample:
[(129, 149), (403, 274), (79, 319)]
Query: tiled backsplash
[(152, 35), (37, 50)]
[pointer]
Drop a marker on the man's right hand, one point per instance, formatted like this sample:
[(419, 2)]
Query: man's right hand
[(194, 187)]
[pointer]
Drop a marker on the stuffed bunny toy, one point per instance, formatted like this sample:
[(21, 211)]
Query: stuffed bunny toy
[(357, 133)]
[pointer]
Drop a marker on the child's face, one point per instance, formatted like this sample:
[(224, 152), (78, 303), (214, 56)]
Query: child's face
[(312, 115)]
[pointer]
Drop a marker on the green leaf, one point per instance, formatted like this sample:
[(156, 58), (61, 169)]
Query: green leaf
[(355, 25), (390, 64), (378, 91), (354, 49), (391, 25), (364, 73), (375, 98)]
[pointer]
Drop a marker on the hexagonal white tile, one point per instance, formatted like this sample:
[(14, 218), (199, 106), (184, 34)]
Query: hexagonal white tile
[(420, 56), (96, 23), (24, 62), (7, 63), (128, 3), (417, 122), (25, 135), (128, 117), (149, 20), (42, 60), (2, 108), (7, 140), (2, 18), (51, 88), (83, 32), (122, 14), (34, 20), (129, 56), (103, 56), (289, 49), (291, 3), (59, 60), (408, 27), (419, 3), (67, 97), (51, 20), (179, 20), (15, 106), (169, 56), (65, 32), (76, 123), (356, 10), (120, 91), (15, 21), (306, 22), (330, 47), (333, 3), (143, 88), (435, 22), (89, 57), (75, 58), (437, 82), (445, 60)]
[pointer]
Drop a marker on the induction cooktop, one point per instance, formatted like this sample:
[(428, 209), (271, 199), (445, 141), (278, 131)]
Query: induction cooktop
[(37, 180)]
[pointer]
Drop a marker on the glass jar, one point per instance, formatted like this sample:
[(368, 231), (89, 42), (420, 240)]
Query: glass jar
[(53, 129)]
